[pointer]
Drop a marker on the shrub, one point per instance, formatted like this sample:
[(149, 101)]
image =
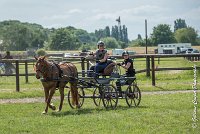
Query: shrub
[(40, 52)]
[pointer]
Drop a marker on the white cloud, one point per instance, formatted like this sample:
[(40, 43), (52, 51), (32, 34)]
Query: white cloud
[(72, 11)]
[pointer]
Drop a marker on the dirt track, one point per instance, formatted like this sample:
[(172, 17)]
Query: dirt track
[(41, 99)]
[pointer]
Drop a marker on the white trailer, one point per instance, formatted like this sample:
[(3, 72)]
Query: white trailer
[(174, 48), (117, 51)]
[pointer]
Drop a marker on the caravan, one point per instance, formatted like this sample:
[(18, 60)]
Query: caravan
[(174, 48)]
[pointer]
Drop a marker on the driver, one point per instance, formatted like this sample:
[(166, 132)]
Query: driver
[(101, 56)]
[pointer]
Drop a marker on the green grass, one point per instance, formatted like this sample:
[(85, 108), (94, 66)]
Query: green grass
[(157, 114)]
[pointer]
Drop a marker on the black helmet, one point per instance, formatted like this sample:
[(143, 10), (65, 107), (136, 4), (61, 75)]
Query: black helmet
[(100, 43), (125, 53)]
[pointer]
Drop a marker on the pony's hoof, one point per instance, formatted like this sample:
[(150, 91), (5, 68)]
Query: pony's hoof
[(58, 111), (44, 112), (52, 106)]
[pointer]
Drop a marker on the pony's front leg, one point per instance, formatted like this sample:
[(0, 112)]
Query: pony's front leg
[(46, 93), (61, 90), (48, 101), (52, 91)]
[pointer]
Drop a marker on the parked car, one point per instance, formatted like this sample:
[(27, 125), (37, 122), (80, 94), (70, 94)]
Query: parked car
[(67, 55), (192, 51), (75, 54)]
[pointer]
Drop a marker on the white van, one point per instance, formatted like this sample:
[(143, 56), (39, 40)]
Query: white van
[(117, 51)]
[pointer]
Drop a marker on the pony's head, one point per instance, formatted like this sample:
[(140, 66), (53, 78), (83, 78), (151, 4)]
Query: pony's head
[(40, 67)]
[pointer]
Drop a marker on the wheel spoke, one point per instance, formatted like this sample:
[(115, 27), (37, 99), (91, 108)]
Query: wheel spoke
[(97, 97), (99, 102), (133, 95), (111, 103), (110, 97)]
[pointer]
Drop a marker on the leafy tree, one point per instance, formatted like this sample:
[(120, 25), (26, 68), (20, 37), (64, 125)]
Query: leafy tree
[(125, 34), (179, 23), (119, 33), (198, 41), (19, 36), (110, 42), (139, 37), (138, 42), (186, 35), (100, 34), (63, 39), (41, 52), (162, 34), (115, 32), (120, 37), (107, 31), (83, 36)]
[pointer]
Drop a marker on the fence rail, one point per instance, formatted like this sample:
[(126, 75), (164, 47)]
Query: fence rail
[(150, 58)]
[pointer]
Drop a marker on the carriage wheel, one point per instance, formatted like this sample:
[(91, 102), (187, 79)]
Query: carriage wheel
[(133, 95), (110, 96), (81, 95), (97, 96)]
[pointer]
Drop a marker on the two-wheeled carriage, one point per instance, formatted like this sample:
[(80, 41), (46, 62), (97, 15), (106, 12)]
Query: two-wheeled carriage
[(105, 90)]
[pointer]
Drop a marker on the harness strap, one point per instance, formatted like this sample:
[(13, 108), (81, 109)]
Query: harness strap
[(60, 72), (72, 78)]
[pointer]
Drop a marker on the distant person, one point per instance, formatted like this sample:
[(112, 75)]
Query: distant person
[(1, 64), (8, 56), (9, 68)]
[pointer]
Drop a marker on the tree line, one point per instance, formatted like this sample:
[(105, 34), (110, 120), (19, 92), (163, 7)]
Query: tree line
[(162, 34), (16, 35)]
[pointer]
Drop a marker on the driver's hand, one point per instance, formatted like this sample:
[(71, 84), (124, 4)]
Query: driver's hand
[(91, 53)]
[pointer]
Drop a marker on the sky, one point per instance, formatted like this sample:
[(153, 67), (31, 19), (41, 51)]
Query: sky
[(97, 14)]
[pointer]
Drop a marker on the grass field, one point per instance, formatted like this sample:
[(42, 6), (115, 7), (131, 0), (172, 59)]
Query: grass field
[(157, 114)]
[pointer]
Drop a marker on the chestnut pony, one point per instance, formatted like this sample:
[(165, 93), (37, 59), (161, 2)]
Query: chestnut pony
[(56, 76)]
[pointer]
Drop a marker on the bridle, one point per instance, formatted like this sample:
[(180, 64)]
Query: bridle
[(44, 69)]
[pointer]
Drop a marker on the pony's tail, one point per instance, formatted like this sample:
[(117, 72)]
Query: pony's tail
[(74, 93), (73, 85)]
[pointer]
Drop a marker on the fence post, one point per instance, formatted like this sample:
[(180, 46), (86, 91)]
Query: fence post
[(26, 71), (88, 64), (148, 66), (83, 66), (153, 71), (17, 75)]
